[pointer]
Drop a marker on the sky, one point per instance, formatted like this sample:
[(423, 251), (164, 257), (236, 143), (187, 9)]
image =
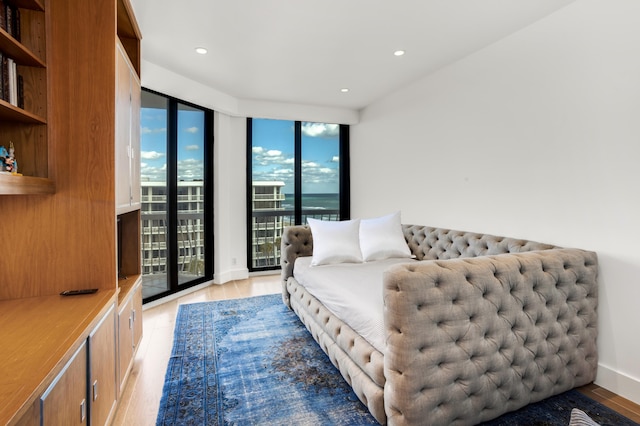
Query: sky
[(272, 150), (273, 155), (153, 144)]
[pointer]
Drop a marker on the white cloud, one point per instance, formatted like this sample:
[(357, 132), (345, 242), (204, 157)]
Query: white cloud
[(192, 147), (322, 130), (189, 169), (151, 155), (335, 159), (147, 131), (153, 174), (191, 130), (270, 157)]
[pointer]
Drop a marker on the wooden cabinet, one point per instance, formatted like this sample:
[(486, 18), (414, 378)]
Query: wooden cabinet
[(129, 331), (53, 348), (102, 369), (84, 390), (25, 123), (128, 98), (65, 401)]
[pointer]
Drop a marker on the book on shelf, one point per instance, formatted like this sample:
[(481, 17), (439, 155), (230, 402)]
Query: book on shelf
[(16, 24), (3, 15), (13, 83), (10, 19), (4, 64), (20, 93), (2, 77)]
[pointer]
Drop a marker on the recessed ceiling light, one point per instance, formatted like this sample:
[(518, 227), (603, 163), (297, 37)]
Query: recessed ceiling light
[(344, 89), (201, 50), (399, 52)]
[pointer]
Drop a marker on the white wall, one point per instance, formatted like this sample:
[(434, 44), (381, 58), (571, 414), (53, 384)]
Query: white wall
[(536, 136), (230, 254)]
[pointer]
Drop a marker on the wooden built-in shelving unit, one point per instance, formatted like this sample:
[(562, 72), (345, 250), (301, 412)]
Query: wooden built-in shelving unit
[(59, 215), (27, 127)]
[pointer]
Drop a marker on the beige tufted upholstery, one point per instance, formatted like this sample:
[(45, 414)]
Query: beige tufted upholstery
[(488, 325)]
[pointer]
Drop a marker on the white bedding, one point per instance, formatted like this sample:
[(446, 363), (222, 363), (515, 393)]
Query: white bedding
[(351, 291)]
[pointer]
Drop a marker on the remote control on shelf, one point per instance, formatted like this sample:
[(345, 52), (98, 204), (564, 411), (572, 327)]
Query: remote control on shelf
[(77, 292)]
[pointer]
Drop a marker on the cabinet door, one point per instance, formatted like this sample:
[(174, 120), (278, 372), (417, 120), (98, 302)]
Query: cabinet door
[(102, 363), (123, 136), (125, 340), (129, 332), (136, 103), (65, 401), (137, 316), (128, 104)]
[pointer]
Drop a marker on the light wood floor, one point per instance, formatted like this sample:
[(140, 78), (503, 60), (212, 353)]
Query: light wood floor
[(141, 397)]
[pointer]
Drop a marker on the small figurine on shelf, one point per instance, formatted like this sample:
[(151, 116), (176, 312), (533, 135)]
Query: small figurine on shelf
[(9, 163), (4, 154)]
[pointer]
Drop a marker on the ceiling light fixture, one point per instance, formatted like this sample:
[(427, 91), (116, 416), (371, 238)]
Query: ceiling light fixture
[(344, 89), (201, 50), (399, 52)]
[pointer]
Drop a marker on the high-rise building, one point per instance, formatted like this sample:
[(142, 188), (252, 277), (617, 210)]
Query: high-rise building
[(267, 223), (190, 232)]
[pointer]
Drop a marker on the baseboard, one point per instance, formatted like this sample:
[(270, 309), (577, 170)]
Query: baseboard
[(177, 295), (618, 383), (231, 275)]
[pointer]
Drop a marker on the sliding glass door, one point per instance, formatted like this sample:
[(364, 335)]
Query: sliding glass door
[(177, 209)]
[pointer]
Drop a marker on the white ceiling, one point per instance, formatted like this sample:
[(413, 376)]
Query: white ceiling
[(305, 51)]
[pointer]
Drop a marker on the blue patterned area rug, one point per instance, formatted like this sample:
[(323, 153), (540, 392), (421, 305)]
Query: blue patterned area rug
[(252, 362)]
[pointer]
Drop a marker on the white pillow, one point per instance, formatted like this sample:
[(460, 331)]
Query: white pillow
[(335, 241), (580, 418), (382, 238)]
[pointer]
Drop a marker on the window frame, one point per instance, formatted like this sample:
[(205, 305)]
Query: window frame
[(344, 185), (172, 189)]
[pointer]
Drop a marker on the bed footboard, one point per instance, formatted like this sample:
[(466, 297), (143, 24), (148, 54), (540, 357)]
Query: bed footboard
[(296, 241), (470, 339)]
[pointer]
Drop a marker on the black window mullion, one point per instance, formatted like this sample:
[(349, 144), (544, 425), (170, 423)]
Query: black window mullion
[(345, 184), (298, 172), (208, 194), (249, 203), (172, 194)]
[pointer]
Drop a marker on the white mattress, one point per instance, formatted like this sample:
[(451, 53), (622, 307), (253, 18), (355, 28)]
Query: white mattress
[(351, 291)]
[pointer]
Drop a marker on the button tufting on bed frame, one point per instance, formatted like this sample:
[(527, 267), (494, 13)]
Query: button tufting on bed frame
[(503, 322)]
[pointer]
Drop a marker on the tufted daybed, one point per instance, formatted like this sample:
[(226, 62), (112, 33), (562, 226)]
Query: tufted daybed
[(480, 326)]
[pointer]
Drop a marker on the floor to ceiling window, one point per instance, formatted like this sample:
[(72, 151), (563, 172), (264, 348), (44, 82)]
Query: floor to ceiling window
[(177, 207), (295, 170)]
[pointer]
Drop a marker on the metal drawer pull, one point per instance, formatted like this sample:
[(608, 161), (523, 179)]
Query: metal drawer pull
[(83, 410), (95, 390)]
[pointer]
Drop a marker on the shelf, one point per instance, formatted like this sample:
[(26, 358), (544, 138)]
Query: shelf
[(25, 185), (29, 4), (13, 113), (127, 285), (129, 33), (16, 51)]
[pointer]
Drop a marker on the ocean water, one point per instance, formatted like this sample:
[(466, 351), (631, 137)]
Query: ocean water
[(314, 201)]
